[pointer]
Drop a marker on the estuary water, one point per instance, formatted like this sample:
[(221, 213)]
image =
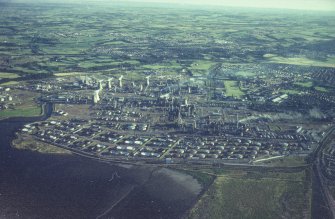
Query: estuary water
[(35, 185)]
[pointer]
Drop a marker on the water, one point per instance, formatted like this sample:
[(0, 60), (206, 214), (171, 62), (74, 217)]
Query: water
[(35, 185)]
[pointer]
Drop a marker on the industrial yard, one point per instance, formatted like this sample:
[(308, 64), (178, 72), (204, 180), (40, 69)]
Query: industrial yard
[(170, 120)]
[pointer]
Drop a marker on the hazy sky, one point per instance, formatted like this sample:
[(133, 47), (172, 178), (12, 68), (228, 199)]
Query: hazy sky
[(327, 5)]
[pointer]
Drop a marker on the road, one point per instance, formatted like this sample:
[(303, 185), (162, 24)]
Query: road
[(318, 171), (325, 190)]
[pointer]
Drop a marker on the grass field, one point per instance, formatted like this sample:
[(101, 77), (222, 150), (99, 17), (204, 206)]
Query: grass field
[(202, 65), (299, 61), (255, 195), (322, 89), (170, 65), (22, 112), (232, 89), (8, 75), (69, 74), (9, 83), (27, 142), (303, 85), (286, 161), (308, 84), (245, 74), (93, 64)]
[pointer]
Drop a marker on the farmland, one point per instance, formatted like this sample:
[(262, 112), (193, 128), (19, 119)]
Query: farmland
[(177, 39)]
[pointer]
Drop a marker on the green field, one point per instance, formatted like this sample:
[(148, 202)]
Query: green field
[(29, 143), (9, 83), (67, 74), (8, 75), (322, 89), (308, 84), (24, 112), (232, 89), (245, 74), (285, 161), (299, 61), (165, 65), (202, 65), (253, 195)]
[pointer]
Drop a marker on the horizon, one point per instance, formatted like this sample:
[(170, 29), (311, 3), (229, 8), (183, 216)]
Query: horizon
[(304, 5), (312, 5)]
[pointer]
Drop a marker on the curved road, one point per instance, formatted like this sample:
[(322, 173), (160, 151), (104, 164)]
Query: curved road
[(318, 170)]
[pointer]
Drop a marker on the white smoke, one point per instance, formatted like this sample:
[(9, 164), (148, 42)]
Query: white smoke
[(274, 117), (316, 113)]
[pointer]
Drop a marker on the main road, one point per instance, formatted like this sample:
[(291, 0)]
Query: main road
[(317, 168)]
